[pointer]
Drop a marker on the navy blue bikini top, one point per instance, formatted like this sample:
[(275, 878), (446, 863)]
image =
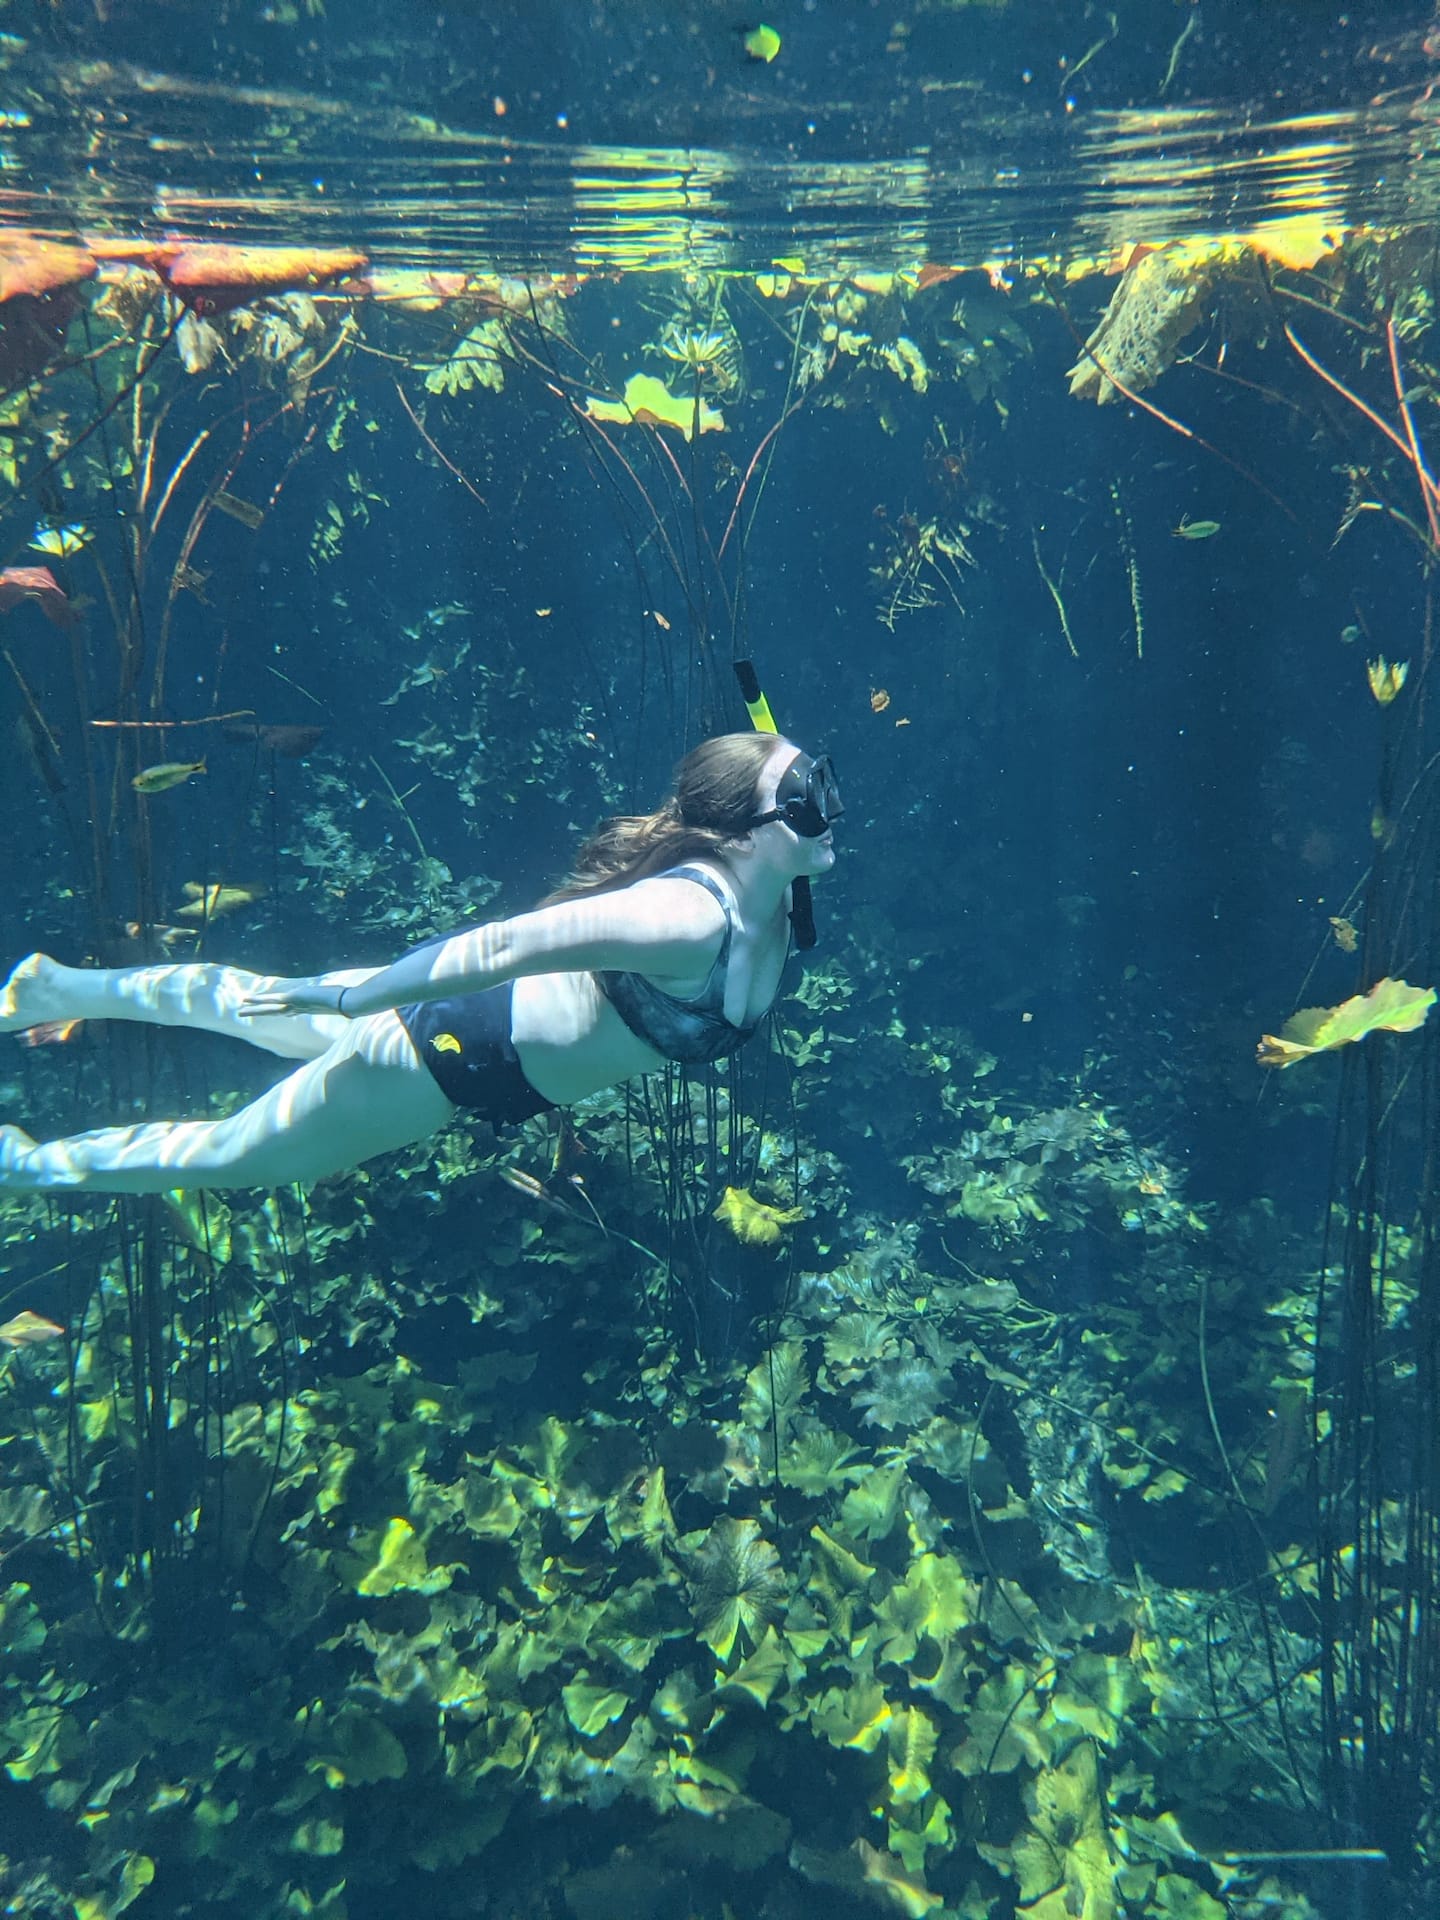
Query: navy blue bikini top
[(691, 1032)]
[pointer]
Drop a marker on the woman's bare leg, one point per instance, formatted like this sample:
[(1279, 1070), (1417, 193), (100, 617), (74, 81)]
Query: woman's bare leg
[(368, 1093), (198, 994)]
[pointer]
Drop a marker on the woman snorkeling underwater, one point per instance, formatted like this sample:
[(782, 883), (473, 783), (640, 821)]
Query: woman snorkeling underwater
[(667, 943)]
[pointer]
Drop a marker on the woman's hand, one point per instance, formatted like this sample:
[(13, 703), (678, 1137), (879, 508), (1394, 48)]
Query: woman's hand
[(315, 995)]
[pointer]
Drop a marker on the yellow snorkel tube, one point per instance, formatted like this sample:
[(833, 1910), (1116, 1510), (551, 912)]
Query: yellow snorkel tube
[(802, 907)]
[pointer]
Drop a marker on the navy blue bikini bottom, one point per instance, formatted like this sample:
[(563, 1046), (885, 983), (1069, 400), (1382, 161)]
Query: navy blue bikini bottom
[(465, 1042)]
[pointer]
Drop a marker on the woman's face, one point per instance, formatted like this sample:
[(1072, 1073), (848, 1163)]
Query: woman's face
[(804, 854)]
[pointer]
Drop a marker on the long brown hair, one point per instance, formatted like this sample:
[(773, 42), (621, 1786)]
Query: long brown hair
[(712, 803)]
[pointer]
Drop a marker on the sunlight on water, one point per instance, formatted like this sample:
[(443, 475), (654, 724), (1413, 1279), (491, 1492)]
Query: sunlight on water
[(115, 149)]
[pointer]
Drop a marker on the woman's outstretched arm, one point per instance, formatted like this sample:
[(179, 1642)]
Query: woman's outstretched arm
[(664, 927)]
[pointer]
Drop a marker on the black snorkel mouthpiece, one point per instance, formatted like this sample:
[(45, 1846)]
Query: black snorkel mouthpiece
[(802, 907)]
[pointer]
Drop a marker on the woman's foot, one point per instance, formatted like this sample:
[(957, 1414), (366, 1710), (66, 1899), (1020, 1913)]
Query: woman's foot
[(31, 995), (15, 1146)]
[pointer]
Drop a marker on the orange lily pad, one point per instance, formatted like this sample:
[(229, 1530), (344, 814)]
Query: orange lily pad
[(211, 277), (27, 1329), (40, 585), (30, 265)]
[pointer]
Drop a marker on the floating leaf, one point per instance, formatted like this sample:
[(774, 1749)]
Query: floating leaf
[(32, 266), (738, 1585), (1391, 1005), (751, 1221), (213, 277), (762, 43), (1347, 934), (649, 402), (1300, 241)]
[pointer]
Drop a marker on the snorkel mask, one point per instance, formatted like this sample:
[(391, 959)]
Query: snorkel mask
[(807, 799)]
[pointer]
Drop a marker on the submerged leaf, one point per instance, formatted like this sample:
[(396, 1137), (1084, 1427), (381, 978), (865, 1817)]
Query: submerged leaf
[(762, 1672), (357, 1749), (648, 402), (752, 1221), (906, 1894), (871, 1510), (912, 1738), (400, 1565), (1392, 1005), (738, 1585), (775, 1386), (590, 1709), (854, 1716), (1069, 1838), (839, 1582), (820, 1462)]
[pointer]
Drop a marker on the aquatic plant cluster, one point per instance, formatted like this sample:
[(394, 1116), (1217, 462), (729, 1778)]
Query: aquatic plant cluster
[(801, 1619), (359, 1536)]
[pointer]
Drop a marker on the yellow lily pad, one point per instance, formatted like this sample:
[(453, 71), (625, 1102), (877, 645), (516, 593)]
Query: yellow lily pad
[(648, 402), (751, 1220), (1391, 1005)]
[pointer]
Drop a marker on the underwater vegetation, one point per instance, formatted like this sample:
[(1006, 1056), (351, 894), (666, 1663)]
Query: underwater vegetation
[(852, 1615)]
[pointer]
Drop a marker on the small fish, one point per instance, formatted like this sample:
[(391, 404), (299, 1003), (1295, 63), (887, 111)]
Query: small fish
[(446, 1043), (29, 1330), (208, 903), (534, 1189), (62, 542), (1196, 529), (292, 740), (167, 937), (169, 773), (761, 43)]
